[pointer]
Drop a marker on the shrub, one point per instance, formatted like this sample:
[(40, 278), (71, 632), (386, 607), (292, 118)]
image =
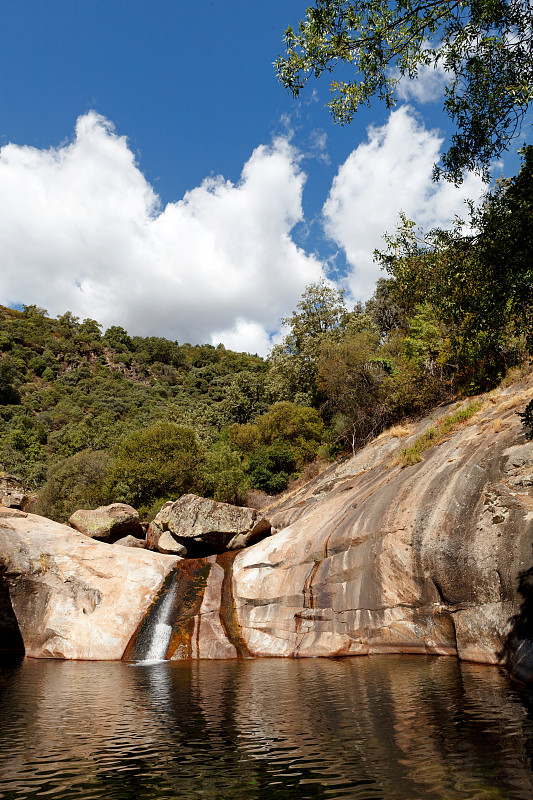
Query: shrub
[(160, 461), (73, 483)]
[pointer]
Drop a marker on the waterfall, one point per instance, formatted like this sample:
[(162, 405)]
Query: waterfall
[(161, 629)]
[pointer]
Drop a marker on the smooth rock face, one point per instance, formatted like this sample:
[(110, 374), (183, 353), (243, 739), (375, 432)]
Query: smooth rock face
[(370, 558), (373, 558), (74, 597), (108, 523), (12, 494)]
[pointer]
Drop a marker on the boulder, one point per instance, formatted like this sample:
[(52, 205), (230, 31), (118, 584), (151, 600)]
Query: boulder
[(130, 541), (203, 524), (74, 597), (169, 545), (12, 494), (108, 523)]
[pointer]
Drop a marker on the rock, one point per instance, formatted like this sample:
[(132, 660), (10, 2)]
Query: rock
[(261, 529), (203, 521), (153, 534), (12, 494), (204, 526), (5, 513), (74, 597), (108, 523), (373, 558), (168, 544), (130, 541)]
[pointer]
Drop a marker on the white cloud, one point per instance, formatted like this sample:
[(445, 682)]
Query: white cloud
[(427, 87), (389, 173), (81, 229), (245, 336)]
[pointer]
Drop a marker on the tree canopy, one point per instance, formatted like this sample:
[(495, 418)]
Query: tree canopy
[(485, 48)]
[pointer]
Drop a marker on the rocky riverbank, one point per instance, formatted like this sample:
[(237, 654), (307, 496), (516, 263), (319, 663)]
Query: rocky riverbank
[(370, 557)]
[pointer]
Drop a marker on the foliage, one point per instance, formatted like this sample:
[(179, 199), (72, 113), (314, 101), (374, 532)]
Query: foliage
[(73, 483), (270, 467), (484, 47), (223, 475), (434, 434), (321, 313), (161, 461), (478, 287)]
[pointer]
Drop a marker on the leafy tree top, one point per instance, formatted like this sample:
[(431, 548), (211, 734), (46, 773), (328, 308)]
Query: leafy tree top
[(484, 46)]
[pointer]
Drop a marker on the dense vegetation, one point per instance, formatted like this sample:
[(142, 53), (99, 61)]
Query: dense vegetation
[(90, 417)]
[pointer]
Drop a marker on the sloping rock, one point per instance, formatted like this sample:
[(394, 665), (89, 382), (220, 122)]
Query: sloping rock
[(12, 493), (108, 523), (74, 597), (373, 558)]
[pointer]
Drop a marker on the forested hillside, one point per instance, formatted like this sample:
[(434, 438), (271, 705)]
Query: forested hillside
[(89, 417)]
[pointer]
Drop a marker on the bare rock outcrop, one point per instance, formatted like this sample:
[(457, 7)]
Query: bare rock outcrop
[(370, 557), (74, 597), (12, 492), (108, 523)]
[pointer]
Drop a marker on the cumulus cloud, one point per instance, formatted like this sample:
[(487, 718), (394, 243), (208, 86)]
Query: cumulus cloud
[(389, 173), (81, 229), (427, 87)]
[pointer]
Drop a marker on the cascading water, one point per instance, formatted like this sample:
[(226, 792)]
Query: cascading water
[(161, 629)]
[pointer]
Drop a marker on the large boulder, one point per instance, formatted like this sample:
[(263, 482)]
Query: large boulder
[(74, 597), (204, 526), (12, 492), (108, 523)]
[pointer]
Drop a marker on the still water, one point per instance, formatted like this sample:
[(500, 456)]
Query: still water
[(388, 727)]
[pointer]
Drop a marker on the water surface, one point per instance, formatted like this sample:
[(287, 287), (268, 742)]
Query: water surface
[(397, 728)]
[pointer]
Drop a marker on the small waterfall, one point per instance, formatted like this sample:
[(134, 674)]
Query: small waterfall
[(161, 629)]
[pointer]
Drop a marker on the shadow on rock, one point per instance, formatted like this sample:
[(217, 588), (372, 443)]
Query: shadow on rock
[(519, 644)]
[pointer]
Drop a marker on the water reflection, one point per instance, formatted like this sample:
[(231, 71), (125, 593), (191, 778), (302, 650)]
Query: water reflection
[(374, 727)]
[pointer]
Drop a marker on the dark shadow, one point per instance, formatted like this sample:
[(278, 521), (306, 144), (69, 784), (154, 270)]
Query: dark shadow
[(518, 648), (11, 642)]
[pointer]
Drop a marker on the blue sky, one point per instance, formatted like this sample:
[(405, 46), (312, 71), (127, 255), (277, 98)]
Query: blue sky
[(154, 174)]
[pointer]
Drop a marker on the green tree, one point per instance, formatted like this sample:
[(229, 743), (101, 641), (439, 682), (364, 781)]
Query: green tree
[(73, 483), (479, 286), (300, 426), (320, 313), (161, 461), (223, 475), (484, 46)]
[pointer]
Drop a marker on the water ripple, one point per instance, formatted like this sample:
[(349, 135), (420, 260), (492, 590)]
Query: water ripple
[(379, 728)]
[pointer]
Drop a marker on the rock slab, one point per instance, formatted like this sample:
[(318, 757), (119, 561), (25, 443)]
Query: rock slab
[(204, 526)]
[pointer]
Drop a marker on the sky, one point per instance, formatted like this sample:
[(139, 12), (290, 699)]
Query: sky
[(155, 175)]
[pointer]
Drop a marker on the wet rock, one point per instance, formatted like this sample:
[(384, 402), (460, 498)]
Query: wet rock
[(12, 493), (108, 523)]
